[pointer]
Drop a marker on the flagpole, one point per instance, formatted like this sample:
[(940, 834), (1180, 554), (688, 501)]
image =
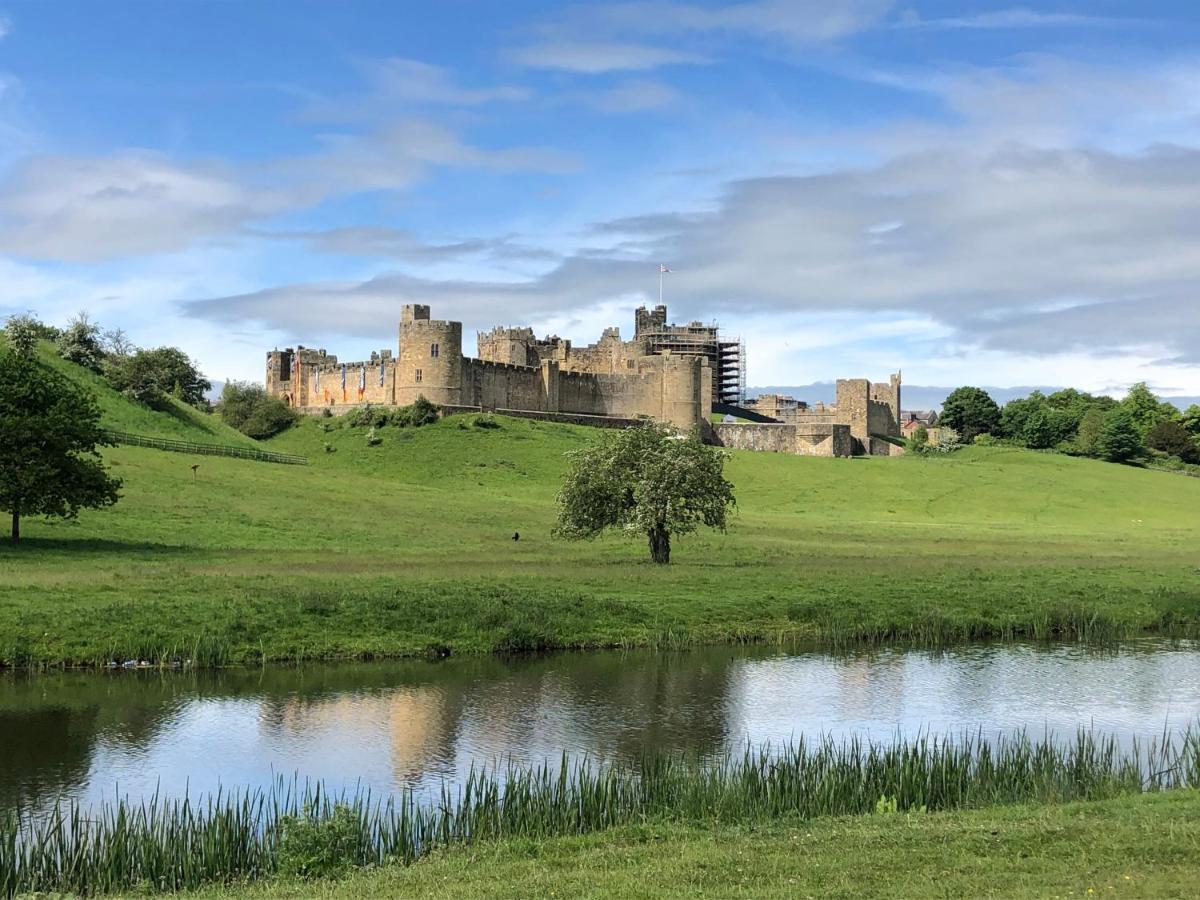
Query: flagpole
[(660, 275)]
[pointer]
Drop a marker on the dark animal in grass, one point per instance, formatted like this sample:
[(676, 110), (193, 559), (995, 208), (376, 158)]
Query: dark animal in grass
[(516, 536)]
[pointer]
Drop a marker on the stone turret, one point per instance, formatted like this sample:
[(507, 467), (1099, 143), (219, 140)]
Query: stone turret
[(430, 363)]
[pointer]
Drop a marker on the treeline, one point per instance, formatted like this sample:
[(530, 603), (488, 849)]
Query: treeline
[(152, 375), (1141, 427)]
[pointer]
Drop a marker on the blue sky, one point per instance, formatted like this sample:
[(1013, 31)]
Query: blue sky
[(973, 192)]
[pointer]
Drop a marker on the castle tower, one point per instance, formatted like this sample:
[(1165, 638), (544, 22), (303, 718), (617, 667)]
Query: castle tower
[(280, 369), (683, 389), (430, 362)]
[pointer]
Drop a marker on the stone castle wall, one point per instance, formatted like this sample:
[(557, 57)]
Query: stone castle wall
[(800, 440), (612, 379)]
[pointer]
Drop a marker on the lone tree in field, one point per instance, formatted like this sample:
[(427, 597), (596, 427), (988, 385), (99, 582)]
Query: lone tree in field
[(49, 431), (645, 481)]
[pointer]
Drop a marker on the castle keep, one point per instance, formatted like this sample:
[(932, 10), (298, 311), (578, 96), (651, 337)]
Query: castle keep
[(670, 373)]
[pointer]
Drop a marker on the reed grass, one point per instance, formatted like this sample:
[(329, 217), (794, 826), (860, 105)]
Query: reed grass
[(172, 845)]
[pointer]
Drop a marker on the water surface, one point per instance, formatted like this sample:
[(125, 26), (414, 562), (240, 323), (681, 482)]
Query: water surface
[(387, 726)]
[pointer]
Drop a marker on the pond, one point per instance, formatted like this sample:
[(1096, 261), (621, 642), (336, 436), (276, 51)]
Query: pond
[(386, 726)]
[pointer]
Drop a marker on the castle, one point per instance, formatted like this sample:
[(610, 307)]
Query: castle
[(679, 374)]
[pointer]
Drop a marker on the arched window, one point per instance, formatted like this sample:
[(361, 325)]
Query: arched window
[(434, 350)]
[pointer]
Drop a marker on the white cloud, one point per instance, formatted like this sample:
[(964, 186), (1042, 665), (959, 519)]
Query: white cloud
[(86, 209), (80, 209), (635, 96), (990, 245), (5, 26), (421, 82), (1017, 17), (593, 57)]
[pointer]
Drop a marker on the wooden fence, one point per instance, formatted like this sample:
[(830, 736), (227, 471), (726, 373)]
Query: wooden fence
[(139, 440)]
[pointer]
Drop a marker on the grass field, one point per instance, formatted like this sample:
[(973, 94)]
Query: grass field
[(1145, 846), (404, 548)]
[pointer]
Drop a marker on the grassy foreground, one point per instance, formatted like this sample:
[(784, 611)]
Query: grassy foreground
[(405, 549), (1144, 846)]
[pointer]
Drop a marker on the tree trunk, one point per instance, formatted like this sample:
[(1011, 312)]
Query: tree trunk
[(16, 529), (660, 545)]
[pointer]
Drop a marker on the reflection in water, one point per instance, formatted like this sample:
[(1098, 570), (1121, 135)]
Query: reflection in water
[(390, 725)]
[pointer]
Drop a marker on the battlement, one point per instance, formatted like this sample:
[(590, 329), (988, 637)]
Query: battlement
[(671, 373)]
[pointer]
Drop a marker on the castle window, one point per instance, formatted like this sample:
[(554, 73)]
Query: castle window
[(418, 377), (629, 364), (434, 350)]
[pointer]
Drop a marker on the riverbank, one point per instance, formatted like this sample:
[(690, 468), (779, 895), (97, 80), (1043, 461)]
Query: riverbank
[(1143, 846), (405, 549), (301, 830)]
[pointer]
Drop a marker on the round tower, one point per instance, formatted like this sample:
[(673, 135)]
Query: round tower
[(430, 362)]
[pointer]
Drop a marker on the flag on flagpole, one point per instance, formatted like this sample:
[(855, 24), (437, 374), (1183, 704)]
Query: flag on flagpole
[(662, 267)]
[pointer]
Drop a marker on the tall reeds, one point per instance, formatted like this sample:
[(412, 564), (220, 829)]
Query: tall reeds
[(172, 845)]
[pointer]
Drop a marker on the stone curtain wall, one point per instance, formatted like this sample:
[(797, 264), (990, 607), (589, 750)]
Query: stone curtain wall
[(800, 440), (324, 385), (494, 385)]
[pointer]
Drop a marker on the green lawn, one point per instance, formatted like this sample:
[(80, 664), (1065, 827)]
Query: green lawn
[(1147, 846), (405, 548)]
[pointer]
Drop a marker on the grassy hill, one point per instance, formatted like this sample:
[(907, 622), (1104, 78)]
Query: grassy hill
[(177, 422), (404, 548)]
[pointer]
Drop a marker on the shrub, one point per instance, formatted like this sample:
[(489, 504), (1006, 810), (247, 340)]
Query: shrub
[(150, 376), (23, 333), (1173, 439), (326, 413), (80, 343), (254, 412), (314, 845), (920, 437), (487, 421)]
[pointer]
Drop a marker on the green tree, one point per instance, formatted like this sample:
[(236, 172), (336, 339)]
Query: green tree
[(49, 431), (1091, 426), (1040, 431), (252, 411), (1120, 440), (644, 481), (1016, 413), (1191, 420), (970, 411), (1175, 440), (920, 437), (80, 343), (1146, 410), (149, 376)]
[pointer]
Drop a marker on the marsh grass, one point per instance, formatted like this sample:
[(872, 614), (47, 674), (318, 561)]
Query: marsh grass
[(171, 845)]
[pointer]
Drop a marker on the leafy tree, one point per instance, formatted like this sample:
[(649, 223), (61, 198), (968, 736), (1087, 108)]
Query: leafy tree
[(149, 376), (1119, 439), (1016, 413), (970, 411), (646, 480), (1041, 430), (80, 343), (1146, 410), (252, 411), (49, 431), (1091, 426), (22, 334), (1173, 439), (920, 437), (1191, 420)]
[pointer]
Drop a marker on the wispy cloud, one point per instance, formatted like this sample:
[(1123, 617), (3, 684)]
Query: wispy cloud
[(1018, 17), (5, 26), (634, 96), (591, 58)]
